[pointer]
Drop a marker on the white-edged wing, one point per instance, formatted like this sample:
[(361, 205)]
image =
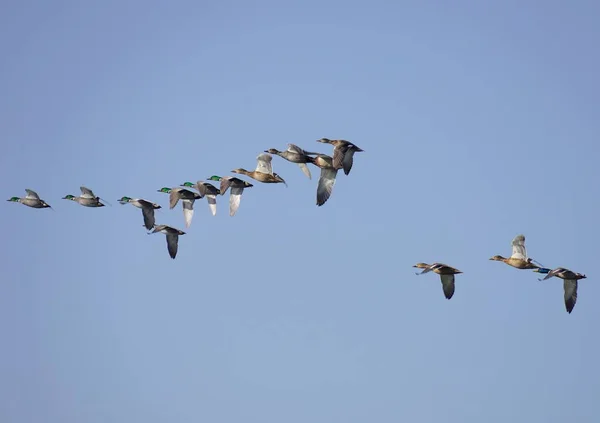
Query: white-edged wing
[(188, 211), (326, 183), (87, 193), (31, 194), (263, 163), (518, 248), (212, 203), (234, 199), (305, 169)]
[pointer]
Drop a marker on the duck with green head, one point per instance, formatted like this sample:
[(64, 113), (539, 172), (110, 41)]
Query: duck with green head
[(263, 172), (237, 189), (206, 190), (32, 199), (187, 198), (87, 198), (147, 207)]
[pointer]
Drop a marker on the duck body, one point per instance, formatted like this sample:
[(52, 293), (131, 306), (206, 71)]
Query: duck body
[(237, 186), (187, 198), (147, 208), (446, 275), (518, 259), (263, 172), (32, 199), (294, 154), (206, 190), (172, 237), (570, 283), (343, 153), (86, 199)]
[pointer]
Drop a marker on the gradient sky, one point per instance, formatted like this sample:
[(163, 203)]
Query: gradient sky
[(479, 121)]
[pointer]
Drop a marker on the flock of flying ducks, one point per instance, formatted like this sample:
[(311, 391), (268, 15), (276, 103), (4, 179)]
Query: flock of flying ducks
[(343, 157), (518, 260), (188, 192)]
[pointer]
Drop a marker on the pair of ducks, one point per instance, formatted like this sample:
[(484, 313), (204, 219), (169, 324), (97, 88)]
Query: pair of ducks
[(518, 260), (343, 158), (32, 199)]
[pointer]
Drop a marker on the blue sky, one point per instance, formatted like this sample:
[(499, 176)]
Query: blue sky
[(479, 121)]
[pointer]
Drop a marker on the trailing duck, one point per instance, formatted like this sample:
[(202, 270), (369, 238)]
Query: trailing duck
[(32, 199)]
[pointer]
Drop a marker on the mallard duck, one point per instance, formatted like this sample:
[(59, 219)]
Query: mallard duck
[(32, 199), (263, 172), (187, 198), (147, 207), (343, 153), (237, 189), (446, 274), (87, 198), (519, 258), (570, 279), (296, 155), (327, 178), (172, 237), (206, 190)]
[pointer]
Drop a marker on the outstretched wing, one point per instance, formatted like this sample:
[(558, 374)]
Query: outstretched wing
[(172, 241), (448, 285), (263, 163), (326, 183), (225, 184), (305, 169), (338, 156), (148, 213), (173, 198), (570, 294), (212, 203), (188, 211), (234, 199), (518, 248), (31, 194), (87, 193)]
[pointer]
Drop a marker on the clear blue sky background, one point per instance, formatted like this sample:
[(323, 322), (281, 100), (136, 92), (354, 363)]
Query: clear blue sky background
[(479, 121)]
